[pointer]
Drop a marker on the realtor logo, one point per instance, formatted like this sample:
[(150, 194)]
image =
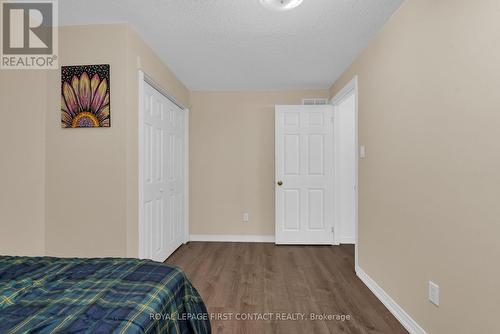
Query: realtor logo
[(29, 34)]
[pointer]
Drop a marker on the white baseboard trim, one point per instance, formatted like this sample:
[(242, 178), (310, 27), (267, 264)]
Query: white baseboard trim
[(231, 238), (347, 240), (411, 325)]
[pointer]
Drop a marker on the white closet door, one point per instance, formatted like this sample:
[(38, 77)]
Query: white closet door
[(304, 175), (163, 176), (176, 175)]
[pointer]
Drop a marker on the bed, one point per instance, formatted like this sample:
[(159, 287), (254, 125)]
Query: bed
[(53, 295)]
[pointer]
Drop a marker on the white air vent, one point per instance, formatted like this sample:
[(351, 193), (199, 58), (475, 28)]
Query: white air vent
[(318, 101)]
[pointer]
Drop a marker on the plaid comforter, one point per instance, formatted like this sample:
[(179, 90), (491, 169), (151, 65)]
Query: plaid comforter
[(52, 295)]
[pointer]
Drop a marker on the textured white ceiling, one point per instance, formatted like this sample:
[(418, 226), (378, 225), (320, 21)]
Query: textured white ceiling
[(240, 45)]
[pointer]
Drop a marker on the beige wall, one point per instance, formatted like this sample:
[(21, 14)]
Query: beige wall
[(232, 160), (23, 99), (429, 113), (73, 192), (86, 168)]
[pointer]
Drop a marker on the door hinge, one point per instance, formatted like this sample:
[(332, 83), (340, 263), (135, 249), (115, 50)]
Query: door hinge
[(333, 229)]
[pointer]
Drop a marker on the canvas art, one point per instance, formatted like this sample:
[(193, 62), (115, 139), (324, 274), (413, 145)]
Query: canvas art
[(85, 96)]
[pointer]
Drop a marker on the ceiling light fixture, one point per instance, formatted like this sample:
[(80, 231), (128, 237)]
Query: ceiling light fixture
[(281, 5)]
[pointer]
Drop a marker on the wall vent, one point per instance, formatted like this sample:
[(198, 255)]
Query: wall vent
[(316, 101)]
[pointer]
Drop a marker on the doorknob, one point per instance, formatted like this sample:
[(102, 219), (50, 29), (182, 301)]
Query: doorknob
[(280, 183)]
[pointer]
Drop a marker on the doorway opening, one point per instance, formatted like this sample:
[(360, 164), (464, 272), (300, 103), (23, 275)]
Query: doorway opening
[(345, 105)]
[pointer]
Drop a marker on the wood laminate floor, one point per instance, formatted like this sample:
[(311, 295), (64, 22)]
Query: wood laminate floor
[(258, 278)]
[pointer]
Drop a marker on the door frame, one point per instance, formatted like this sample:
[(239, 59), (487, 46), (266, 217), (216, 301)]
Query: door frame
[(145, 78), (350, 87)]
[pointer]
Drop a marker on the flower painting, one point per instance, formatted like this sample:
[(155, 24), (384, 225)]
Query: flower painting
[(85, 96)]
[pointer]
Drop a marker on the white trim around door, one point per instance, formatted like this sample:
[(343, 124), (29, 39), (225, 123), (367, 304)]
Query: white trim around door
[(350, 87), (143, 80)]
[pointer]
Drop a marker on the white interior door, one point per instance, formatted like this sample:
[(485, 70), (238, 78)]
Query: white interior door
[(304, 174), (163, 175)]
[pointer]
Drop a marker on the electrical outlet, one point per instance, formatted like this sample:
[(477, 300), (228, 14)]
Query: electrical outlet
[(246, 217), (434, 293)]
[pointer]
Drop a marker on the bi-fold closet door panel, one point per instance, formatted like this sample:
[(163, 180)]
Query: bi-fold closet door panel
[(163, 175)]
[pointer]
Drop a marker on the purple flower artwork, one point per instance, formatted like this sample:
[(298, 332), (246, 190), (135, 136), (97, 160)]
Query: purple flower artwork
[(85, 96)]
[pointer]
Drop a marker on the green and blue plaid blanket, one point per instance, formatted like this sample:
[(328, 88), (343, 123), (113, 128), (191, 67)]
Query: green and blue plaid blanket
[(52, 295)]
